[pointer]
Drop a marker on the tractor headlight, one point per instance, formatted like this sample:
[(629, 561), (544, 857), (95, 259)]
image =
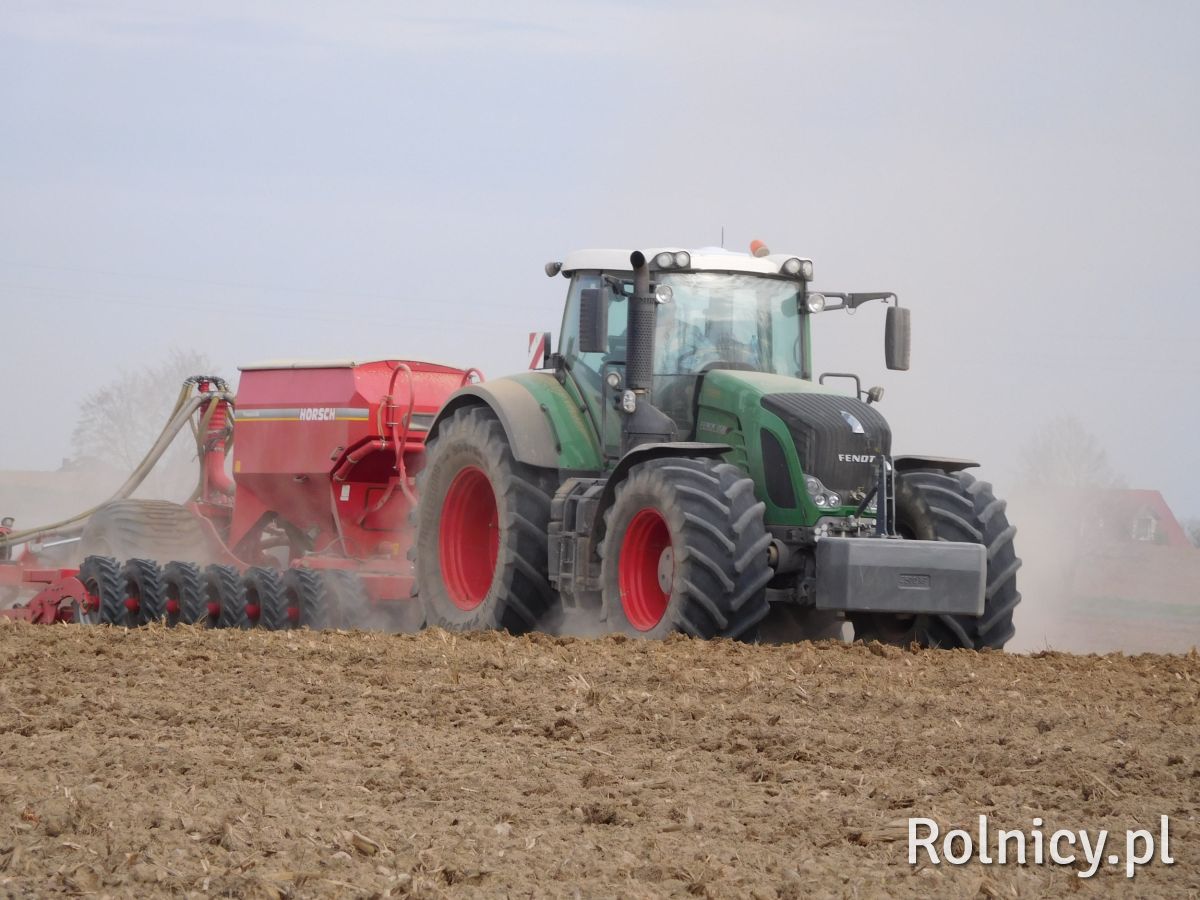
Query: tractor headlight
[(628, 401), (814, 303), (797, 266), (823, 498), (663, 293), (680, 259)]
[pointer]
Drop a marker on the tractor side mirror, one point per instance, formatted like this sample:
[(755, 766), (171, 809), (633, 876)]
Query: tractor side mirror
[(593, 320), (897, 338)]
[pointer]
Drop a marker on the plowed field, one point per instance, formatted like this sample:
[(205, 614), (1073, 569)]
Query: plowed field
[(156, 762)]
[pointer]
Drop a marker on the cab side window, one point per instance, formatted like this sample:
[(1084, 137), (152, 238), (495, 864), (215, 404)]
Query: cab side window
[(617, 317)]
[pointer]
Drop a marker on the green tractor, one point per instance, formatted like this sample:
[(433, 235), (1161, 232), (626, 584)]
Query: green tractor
[(677, 468)]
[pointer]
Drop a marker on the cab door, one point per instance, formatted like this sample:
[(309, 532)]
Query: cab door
[(589, 370)]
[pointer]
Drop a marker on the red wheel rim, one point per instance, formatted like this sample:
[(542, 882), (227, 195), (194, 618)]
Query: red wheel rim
[(646, 569), (469, 538)]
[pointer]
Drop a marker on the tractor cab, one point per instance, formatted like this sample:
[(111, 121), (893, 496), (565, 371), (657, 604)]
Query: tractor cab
[(701, 311)]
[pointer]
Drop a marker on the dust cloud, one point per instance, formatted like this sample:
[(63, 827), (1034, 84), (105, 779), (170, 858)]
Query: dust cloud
[(1086, 593)]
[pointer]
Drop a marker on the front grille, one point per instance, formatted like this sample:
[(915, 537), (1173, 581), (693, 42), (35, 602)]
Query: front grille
[(827, 442)]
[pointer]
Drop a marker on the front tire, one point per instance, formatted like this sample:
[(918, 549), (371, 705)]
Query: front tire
[(685, 550), (933, 505), (482, 526)]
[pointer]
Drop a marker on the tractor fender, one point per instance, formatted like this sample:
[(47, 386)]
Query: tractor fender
[(949, 465), (525, 421), (644, 453)]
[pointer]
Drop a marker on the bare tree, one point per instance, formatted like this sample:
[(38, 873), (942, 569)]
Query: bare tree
[(120, 421), (1064, 454), (1192, 527)]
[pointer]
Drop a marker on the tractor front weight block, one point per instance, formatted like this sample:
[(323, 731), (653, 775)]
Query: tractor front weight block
[(898, 576)]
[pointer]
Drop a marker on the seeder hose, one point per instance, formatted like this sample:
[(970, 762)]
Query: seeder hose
[(181, 415)]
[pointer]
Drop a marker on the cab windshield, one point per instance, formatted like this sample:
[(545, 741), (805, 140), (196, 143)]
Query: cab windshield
[(744, 321), (719, 320)]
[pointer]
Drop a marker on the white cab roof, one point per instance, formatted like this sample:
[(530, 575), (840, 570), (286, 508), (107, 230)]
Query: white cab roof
[(714, 259)]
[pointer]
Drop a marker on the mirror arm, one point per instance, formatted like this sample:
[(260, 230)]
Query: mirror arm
[(854, 301)]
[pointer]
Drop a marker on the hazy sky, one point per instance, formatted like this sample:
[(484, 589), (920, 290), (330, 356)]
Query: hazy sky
[(260, 180)]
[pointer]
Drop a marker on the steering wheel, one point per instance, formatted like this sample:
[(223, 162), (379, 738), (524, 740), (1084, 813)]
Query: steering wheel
[(693, 353)]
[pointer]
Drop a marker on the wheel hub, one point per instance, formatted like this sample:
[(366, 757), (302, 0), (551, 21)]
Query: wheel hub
[(666, 570)]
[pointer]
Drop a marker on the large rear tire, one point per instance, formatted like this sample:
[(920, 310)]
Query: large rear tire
[(482, 525), (933, 505), (685, 550)]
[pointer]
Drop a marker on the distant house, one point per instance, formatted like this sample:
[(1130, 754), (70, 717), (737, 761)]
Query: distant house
[(1122, 516), (1136, 555)]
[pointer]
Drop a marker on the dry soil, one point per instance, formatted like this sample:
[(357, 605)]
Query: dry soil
[(156, 762)]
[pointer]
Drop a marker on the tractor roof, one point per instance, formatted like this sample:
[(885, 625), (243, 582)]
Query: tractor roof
[(716, 259)]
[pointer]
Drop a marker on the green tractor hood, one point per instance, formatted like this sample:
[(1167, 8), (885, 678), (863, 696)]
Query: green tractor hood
[(787, 431)]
